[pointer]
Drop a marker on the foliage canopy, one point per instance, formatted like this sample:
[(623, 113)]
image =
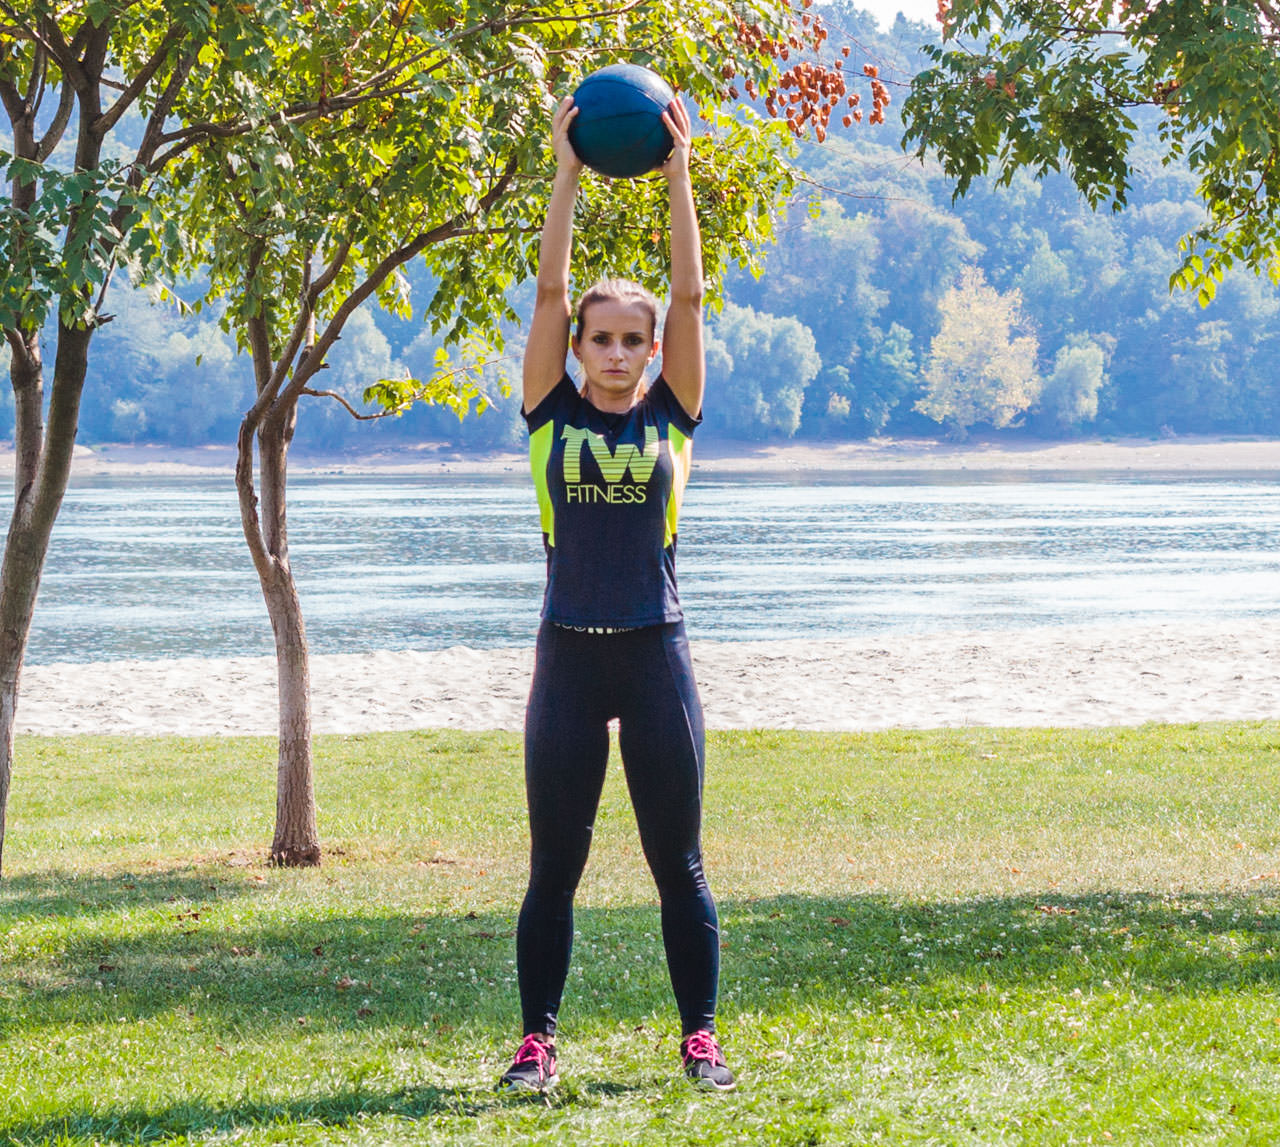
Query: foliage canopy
[(1049, 85)]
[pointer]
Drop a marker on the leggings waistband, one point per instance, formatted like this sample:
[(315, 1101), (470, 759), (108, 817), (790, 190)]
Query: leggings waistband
[(597, 628)]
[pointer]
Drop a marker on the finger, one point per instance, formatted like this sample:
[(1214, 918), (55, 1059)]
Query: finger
[(679, 135), (566, 111), (680, 114)]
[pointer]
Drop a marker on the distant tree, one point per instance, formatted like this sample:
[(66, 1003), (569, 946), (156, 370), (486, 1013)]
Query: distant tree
[(1069, 394), (171, 378), (921, 251), (1044, 85), (823, 274), (760, 364), (827, 411), (887, 375), (979, 369)]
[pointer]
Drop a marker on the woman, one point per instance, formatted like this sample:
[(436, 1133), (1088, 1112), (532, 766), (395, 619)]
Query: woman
[(610, 461)]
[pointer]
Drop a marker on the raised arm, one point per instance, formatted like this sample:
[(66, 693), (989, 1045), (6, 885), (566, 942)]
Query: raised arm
[(548, 342), (683, 356)]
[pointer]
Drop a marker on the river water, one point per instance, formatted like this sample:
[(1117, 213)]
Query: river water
[(151, 567)]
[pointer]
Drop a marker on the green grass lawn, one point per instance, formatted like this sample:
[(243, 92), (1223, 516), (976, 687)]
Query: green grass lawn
[(977, 936)]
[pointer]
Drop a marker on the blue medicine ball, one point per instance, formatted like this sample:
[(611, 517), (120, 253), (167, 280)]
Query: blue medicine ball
[(618, 130)]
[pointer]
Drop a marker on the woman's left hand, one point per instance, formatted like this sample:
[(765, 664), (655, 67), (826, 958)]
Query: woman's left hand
[(676, 119)]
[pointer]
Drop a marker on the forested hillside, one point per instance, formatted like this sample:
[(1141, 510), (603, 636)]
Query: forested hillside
[(889, 310)]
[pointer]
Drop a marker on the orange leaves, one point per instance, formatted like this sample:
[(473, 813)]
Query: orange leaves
[(992, 81)]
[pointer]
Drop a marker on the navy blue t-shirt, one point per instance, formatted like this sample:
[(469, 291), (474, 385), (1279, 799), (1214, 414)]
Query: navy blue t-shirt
[(609, 492)]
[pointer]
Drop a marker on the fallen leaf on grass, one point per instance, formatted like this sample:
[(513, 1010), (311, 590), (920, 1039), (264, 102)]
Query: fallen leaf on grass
[(343, 983)]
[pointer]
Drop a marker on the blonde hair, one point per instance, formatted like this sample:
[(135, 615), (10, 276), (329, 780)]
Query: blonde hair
[(618, 291)]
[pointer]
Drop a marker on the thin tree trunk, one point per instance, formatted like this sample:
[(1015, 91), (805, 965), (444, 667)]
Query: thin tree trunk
[(20, 573), (42, 471), (24, 553), (296, 841)]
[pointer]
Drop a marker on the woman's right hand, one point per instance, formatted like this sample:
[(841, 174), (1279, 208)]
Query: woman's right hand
[(566, 158)]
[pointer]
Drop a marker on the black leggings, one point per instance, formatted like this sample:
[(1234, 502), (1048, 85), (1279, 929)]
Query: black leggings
[(581, 681)]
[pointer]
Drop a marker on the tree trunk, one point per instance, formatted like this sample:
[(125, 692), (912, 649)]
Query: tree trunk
[(296, 841), (24, 553), (42, 469)]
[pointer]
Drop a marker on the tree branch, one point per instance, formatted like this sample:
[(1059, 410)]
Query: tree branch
[(32, 33), (145, 159), (250, 522), (578, 17), (369, 88), (294, 114), (68, 55), (379, 274), (351, 410), (259, 337), (18, 346), (364, 416), (13, 104), (105, 122), (53, 135), (304, 325), (35, 85)]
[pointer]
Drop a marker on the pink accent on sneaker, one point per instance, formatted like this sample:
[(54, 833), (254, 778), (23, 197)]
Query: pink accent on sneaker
[(534, 1049), (703, 1045)]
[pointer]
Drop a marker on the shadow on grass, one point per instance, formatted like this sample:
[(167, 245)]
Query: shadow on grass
[(388, 977), (142, 1125), (68, 895)]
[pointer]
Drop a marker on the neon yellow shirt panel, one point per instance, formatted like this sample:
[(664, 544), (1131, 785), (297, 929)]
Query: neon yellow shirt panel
[(681, 447), (540, 442)]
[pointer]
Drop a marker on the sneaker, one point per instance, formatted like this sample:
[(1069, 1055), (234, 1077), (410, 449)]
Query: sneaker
[(534, 1066), (704, 1063)]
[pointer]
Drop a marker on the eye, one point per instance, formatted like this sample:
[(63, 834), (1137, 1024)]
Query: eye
[(634, 340), (600, 339)]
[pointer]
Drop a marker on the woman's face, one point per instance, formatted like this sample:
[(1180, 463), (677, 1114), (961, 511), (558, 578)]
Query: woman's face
[(616, 344)]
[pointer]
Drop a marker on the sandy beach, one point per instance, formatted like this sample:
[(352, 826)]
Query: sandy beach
[(1034, 677)]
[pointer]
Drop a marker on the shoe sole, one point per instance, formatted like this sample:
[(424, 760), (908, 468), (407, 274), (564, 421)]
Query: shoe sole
[(507, 1086), (711, 1085)]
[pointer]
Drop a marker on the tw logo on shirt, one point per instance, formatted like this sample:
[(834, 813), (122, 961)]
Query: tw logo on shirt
[(614, 466)]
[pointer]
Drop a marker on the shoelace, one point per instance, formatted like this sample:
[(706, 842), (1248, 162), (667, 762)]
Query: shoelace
[(533, 1050), (702, 1045)]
